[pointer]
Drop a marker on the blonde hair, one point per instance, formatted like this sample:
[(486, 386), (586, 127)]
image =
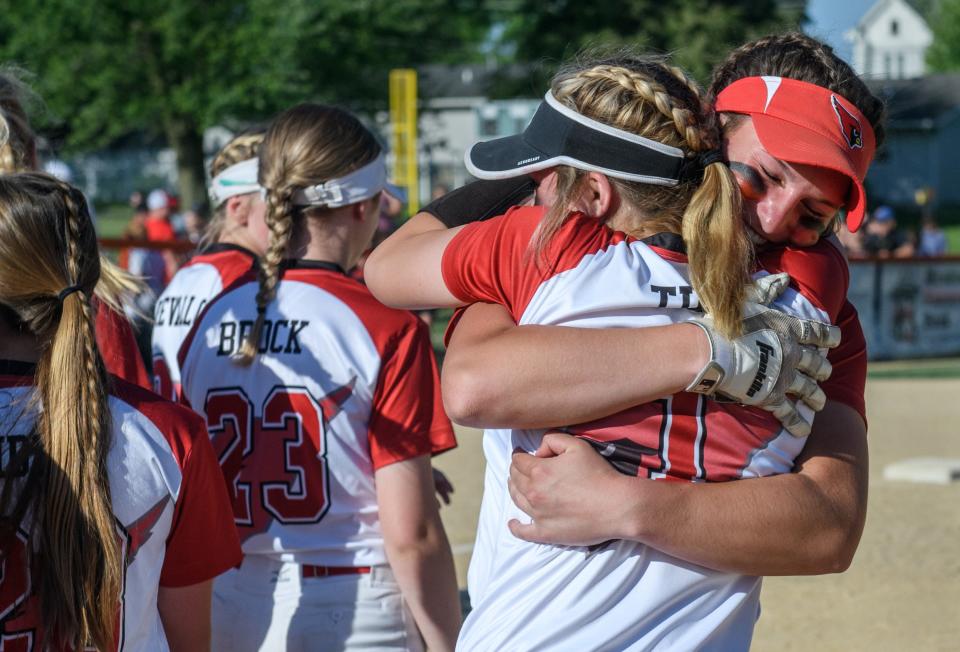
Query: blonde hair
[(304, 146), (47, 244), (242, 148), (18, 153), (645, 96)]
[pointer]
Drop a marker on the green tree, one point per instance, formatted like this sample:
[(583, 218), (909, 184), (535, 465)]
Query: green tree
[(106, 68), (944, 52), (698, 33)]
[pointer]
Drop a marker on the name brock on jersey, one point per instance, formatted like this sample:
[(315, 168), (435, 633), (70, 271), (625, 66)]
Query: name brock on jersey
[(280, 336)]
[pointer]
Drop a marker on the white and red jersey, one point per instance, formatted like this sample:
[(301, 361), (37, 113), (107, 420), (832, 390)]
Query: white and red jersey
[(620, 595), (171, 509), (205, 276), (341, 386)]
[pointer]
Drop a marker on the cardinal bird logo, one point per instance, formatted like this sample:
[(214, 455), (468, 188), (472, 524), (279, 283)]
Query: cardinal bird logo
[(849, 125)]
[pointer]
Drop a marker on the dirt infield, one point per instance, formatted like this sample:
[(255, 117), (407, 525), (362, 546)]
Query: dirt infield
[(903, 590)]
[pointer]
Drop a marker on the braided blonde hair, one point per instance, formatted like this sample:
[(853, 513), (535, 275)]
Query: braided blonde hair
[(647, 97), (242, 148), (304, 146), (47, 244)]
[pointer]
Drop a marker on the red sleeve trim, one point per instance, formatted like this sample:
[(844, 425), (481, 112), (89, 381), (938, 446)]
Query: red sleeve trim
[(203, 540), (847, 383), (820, 273)]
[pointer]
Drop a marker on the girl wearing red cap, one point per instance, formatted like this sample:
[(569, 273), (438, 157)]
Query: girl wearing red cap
[(613, 128)]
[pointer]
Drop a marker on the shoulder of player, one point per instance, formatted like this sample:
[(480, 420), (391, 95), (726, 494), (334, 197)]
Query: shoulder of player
[(356, 296), (819, 272), (179, 425), (229, 261)]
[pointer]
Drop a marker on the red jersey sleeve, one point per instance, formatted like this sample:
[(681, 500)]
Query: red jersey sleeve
[(491, 261), (847, 383), (407, 419), (820, 273), (203, 539), (118, 346)]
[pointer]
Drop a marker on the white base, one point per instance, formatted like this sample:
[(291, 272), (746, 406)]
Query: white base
[(931, 470)]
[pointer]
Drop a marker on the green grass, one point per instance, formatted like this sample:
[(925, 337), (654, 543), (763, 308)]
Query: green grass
[(953, 239), (914, 369), (112, 219)]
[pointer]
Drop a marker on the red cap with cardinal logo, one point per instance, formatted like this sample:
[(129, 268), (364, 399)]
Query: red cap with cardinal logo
[(804, 123)]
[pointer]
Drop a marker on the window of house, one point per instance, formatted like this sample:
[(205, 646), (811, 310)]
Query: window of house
[(489, 123), (894, 27)]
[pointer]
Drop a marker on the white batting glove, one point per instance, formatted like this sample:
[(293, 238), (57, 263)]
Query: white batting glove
[(776, 355)]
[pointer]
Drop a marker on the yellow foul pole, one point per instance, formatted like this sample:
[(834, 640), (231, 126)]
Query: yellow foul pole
[(403, 119)]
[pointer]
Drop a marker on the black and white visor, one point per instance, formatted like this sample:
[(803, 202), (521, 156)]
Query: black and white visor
[(558, 135)]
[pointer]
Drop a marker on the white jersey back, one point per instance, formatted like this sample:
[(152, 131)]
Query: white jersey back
[(168, 499), (619, 595), (341, 387), (205, 276)]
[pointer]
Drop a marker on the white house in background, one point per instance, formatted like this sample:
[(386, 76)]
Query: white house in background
[(890, 41)]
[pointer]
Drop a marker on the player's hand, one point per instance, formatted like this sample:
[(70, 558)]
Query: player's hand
[(775, 357), (442, 485), (560, 488)]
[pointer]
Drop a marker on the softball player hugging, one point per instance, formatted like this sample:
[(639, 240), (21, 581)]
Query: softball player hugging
[(235, 236), (625, 154), (323, 406), (114, 513)]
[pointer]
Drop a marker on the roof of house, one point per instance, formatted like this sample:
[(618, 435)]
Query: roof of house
[(876, 10), (470, 80), (919, 103)]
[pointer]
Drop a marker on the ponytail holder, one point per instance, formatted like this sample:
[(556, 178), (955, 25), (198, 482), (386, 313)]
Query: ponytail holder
[(67, 291), (708, 158)]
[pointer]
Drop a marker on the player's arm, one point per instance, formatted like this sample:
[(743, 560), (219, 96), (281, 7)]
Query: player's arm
[(805, 522), (418, 550), (404, 271), (185, 615), (493, 367)]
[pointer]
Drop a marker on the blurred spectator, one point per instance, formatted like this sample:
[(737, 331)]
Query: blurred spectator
[(883, 239), (439, 191), (933, 241), (159, 229), (194, 223), (138, 200), (852, 242)]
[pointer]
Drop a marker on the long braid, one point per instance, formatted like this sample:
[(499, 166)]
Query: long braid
[(78, 531), (279, 219)]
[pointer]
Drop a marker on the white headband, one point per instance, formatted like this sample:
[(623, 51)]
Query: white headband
[(238, 179), (358, 186)]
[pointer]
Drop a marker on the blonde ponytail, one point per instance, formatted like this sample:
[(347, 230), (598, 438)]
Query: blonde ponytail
[(718, 250), (49, 266)]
